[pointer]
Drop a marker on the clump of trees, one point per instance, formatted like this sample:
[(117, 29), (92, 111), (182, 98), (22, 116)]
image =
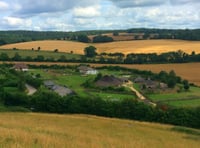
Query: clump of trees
[(90, 51), (83, 38), (102, 39), (169, 78), (115, 33)]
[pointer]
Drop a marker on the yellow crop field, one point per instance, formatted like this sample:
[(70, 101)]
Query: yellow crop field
[(149, 46), (51, 130), (188, 71), (126, 47), (49, 45)]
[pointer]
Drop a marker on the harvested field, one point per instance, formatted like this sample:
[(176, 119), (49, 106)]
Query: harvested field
[(188, 71), (50, 45), (149, 46), (120, 37), (126, 47)]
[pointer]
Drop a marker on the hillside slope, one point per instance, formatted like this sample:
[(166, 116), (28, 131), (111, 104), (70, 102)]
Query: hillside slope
[(45, 130), (49, 45), (126, 47)]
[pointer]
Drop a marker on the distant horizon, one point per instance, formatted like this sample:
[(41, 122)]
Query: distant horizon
[(76, 15), (105, 29)]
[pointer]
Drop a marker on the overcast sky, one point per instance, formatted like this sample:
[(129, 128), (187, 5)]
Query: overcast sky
[(73, 15)]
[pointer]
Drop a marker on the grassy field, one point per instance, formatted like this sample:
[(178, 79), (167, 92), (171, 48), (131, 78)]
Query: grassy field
[(126, 47), (74, 80), (45, 130), (112, 96), (190, 98), (184, 103)]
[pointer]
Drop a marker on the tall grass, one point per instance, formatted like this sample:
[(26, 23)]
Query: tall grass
[(45, 130)]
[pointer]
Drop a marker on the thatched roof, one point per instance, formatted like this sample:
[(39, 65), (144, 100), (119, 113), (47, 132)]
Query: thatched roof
[(139, 80), (106, 81)]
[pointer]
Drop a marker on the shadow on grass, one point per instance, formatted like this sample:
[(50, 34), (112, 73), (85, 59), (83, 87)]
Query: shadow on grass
[(193, 134)]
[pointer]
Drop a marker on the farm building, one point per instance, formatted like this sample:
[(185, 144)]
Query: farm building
[(20, 67), (61, 90), (139, 80), (150, 84), (107, 81), (85, 70)]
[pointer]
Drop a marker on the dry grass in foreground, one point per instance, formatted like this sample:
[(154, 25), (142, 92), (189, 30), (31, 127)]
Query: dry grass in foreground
[(126, 47), (45, 130)]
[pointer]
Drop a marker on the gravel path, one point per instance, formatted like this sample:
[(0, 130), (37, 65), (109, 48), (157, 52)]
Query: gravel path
[(31, 89), (138, 94)]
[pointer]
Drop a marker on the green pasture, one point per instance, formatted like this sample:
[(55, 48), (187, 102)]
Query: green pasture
[(112, 96), (193, 93), (184, 103), (185, 98)]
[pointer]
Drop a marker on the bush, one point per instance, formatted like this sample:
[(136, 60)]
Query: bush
[(102, 39), (15, 99)]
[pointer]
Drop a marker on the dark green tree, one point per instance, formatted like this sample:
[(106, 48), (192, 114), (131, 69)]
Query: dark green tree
[(39, 58), (83, 38), (186, 85), (115, 33), (171, 83), (39, 48), (17, 57), (55, 50), (98, 77), (62, 58), (90, 51), (4, 57)]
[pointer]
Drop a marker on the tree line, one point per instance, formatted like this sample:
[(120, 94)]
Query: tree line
[(91, 56), (50, 102), (135, 58), (7, 37)]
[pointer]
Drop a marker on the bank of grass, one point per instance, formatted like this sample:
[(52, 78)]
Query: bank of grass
[(184, 103), (189, 98), (113, 96), (45, 130), (193, 92)]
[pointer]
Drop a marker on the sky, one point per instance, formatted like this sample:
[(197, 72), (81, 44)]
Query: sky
[(75, 15)]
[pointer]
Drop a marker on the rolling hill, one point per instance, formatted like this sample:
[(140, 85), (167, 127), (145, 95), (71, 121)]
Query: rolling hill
[(126, 47), (51, 130)]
